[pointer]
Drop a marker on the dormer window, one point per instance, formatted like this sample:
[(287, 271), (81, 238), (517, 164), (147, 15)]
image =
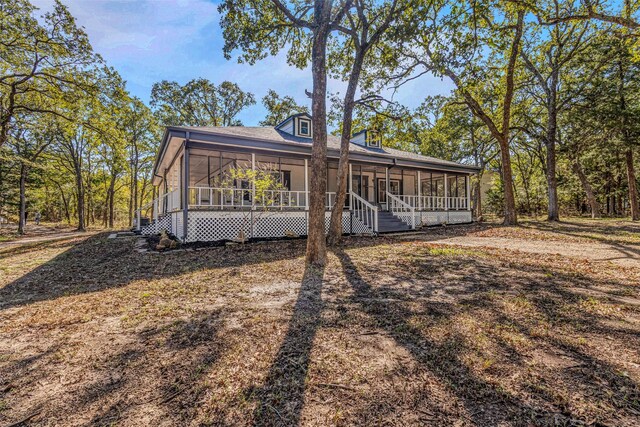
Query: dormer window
[(373, 139), (304, 127), (297, 125), (367, 138)]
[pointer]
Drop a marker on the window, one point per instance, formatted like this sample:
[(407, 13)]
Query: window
[(373, 139), (285, 179), (304, 127)]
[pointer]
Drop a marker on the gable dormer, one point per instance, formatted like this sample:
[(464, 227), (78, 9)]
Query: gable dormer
[(297, 125), (367, 138)]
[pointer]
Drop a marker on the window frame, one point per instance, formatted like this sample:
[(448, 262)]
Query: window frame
[(308, 123)]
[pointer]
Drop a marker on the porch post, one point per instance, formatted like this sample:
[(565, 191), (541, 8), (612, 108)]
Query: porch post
[(419, 191), (386, 175), (468, 186), (306, 184), (350, 183), (253, 181), (446, 192), (185, 193)]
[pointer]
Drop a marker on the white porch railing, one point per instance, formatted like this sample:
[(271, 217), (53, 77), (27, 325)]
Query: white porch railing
[(232, 198), (422, 203), (402, 210), (458, 203), (364, 211)]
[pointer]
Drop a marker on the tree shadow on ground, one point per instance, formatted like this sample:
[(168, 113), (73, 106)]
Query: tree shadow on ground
[(281, 397), (393, 316), (132, 380), (97, 264), (486, 402)]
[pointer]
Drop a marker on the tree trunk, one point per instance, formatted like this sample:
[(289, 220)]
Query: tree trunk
[(80, 191), (111, 198), (316, 243), (335, 226), (591, 197), (552, 129), (23, 199), (510, 217), (633, 188), (478, 197)]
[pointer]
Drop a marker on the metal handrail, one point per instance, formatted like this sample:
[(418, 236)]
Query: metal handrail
[(397, 206)]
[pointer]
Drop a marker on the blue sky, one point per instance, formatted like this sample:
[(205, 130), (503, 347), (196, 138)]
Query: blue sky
[(152, 40)]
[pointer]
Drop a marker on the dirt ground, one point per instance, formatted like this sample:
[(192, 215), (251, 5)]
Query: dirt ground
[(43, 232), (475, 325)]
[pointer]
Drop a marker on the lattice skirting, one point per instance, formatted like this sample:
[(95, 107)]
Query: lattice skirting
[(443, 217), (215, 225), (350, 224), (155, 227)]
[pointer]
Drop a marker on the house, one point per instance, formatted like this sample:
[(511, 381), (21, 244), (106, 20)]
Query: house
[(389, 190)]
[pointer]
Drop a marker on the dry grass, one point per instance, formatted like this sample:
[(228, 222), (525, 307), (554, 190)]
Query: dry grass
[(395, 331)]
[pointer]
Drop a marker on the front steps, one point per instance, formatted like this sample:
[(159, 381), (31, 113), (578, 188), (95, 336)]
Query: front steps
[(388, 223)]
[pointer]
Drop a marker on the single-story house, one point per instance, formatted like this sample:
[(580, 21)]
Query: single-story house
[(390, 190)]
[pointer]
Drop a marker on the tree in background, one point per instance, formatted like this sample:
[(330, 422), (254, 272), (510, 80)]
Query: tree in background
[(28, 140), (279, 108), (448, 41), (43, 63), (199, 103)]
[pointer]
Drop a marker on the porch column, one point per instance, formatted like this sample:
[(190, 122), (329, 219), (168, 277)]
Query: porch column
[(419, 192), (350, 187), (386, 179), (446, 192), (467, 184), (306, 184), (253, 181), (185, 192)]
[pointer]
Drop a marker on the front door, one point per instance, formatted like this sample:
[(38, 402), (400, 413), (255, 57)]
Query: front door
[(394, 188), (360, 186)]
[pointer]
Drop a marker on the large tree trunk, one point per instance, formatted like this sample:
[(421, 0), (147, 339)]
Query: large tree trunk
[(633, 188), (316, 243), (23, 199), (591, 197), (335, 226)]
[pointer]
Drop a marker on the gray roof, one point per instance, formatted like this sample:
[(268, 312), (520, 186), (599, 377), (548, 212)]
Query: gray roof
[(274, 135)]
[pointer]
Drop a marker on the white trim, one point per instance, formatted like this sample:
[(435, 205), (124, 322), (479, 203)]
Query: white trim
[(306, 183), (446, 192), (301, 120)]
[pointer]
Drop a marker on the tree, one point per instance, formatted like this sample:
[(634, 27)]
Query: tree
[(199, 103), (363, 29), (551, 64), (279, 108), (140, 131), (43, 63), (258, 28), (455, 48), (30, 138)]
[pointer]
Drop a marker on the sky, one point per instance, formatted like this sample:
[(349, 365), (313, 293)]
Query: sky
[(152, 40)]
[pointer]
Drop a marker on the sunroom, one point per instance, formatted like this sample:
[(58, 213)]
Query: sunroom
[(201, 194)]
